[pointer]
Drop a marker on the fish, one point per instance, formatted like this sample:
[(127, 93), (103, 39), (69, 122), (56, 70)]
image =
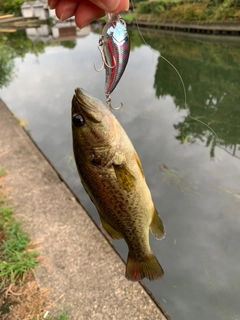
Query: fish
[(112, 175)]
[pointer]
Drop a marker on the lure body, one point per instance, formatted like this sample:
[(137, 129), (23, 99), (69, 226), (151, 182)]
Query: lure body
[(114, 46)]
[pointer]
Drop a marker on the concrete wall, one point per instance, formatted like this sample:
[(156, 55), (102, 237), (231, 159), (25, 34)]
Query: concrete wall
[(35, 9), (27, 10)]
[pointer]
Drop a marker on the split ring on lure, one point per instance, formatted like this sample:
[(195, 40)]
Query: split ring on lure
[(114, 46)]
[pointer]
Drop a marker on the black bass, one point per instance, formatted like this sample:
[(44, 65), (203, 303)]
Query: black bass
[(112, 175)]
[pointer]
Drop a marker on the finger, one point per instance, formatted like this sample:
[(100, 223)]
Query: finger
[(53, 3), (66, 9), (87, 12), (112, 5)]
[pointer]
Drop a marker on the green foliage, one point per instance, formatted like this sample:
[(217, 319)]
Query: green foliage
[(70, 44), (224, 3), (62, 315), (21, 45), (14, 45), (135, 38), (224, 9), (5, 213), (212, 82), (209, 10), (11, 6), (129, 17), (155, 7), (172, 10), (6, 65), (17, 44), (223, 14), (214, 3), (192, 12), (15, 256), (16, 240), (18, 264), (2, 172)]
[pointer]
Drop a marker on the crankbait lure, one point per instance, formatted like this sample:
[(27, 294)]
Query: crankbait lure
[(114, 46)]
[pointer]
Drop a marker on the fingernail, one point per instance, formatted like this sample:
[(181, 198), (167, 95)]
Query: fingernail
[(52, 4), (66, 15), (83, 24), (126, 8)]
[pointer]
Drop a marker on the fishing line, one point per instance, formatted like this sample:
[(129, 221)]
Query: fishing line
[(178, 73)]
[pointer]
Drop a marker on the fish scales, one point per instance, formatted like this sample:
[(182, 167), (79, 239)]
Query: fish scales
[(112, 175)]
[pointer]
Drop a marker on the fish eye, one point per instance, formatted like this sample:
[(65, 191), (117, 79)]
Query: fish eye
[(78, 120)]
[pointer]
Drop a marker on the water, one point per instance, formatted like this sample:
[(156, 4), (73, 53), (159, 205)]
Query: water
[(194, 179)]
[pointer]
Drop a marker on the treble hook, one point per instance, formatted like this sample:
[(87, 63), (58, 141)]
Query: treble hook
[(108, 101), (104, 62)]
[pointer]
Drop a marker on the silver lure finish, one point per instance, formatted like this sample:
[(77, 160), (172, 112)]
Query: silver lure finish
[(114, 46)]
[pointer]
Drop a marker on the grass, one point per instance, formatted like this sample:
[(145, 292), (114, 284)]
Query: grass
[(21, 122), (2, 172), (62, 315), (20, 295), (16, 254)]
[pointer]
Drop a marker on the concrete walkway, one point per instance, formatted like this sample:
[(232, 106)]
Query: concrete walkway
[(84, 272)]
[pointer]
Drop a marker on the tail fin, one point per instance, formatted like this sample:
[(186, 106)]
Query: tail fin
[(137, 270)]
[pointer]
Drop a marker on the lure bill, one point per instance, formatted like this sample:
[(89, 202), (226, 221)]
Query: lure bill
[(114, 46)]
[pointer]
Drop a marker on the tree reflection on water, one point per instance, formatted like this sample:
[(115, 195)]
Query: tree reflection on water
[(211, 76), (17, 45)]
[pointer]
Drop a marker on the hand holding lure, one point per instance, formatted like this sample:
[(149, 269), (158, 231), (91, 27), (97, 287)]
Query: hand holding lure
[(114, 46)]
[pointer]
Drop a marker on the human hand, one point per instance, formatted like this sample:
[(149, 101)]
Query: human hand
[(86, 11)]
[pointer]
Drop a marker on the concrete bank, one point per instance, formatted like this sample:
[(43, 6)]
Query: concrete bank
[(83, 271)]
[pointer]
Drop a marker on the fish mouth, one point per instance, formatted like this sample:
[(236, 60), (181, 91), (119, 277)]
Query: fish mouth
[(85, 104)]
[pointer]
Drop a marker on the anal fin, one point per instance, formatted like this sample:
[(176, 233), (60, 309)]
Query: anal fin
[(114, 234), (150, 268), (156, 226)]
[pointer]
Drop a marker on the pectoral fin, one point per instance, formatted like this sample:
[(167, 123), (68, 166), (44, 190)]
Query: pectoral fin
[(156, 226), (125, 178), (110, 230)]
